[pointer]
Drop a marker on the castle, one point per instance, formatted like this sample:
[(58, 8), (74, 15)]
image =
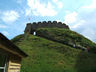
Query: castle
[(31, 28)]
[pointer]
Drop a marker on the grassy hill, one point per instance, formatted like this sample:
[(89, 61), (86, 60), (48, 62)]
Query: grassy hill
[(68, 37), (46, 55)]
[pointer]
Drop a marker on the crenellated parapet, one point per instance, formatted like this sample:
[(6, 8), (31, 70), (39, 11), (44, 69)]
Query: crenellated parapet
[(31, 27)]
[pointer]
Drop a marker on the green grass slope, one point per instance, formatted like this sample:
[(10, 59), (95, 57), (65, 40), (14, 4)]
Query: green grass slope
[(67, 37), (48, 56)]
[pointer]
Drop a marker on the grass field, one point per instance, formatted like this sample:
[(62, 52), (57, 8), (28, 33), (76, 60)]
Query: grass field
[(48, 56)]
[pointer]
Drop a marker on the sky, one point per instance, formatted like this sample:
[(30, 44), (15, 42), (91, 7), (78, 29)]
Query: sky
[(80, 15)]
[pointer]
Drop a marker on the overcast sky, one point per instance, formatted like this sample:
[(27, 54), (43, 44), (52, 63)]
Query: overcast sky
[(80, 15)]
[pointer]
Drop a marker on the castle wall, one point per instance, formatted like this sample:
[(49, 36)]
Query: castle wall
[(31, 27)]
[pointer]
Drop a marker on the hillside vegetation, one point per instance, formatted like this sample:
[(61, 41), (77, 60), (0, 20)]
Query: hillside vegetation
[(67, 37), (46, 55)]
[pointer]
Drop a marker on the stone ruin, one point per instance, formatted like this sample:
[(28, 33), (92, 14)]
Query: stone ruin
[(32, 27)]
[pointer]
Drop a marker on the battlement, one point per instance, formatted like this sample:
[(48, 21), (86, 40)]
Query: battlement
[(31, 27)]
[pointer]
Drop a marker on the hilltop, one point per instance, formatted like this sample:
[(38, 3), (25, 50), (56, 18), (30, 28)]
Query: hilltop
[(56, 50), (32, 27)]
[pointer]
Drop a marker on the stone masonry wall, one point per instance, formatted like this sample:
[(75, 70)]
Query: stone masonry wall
[(30, 28)]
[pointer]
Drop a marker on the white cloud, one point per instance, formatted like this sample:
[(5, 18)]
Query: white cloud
[(78, 24), (70, 18), (60, 5), (5, 33), (10, 16), (89, 33), (55, 1), (91, 6), (28, 12), (58, 20), (19, 1), (40, 9), (3, 26), (83, 20)]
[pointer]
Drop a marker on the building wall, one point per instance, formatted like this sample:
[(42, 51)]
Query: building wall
[(14, 63)]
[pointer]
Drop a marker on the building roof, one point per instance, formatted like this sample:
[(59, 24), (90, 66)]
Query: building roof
[(9, 46)]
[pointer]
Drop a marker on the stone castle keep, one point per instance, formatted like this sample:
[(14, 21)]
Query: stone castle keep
[(31, 27)]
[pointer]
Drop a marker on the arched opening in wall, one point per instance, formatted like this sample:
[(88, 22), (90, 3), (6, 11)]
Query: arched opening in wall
[(34, 33)]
